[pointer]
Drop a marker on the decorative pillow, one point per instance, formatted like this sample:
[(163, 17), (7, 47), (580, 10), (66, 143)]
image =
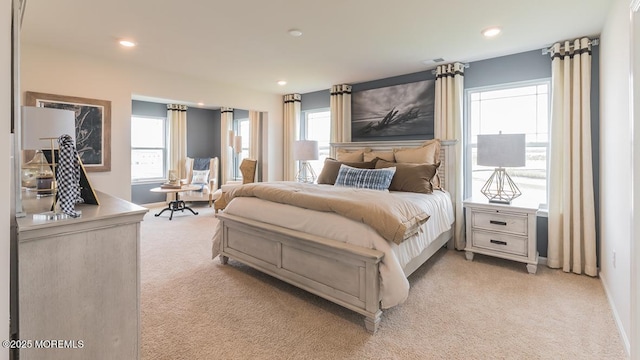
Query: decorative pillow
[(384, 155), (376, 179), (331, 168), (200, 177), (428, 153), (349, 155), (411, 177)]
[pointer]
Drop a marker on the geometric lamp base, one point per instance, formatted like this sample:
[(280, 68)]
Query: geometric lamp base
[(500, 188), (306, 174)]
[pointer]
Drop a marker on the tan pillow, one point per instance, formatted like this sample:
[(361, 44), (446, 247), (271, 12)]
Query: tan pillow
[(384, 155), (428, 153), (349, 155), (331, 167), (411, 177)]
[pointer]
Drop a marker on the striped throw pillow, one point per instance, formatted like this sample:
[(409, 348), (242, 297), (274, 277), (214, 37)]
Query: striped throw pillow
[(376, 179)]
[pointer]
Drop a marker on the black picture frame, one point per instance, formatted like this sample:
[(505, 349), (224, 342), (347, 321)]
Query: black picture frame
[(398, 112)]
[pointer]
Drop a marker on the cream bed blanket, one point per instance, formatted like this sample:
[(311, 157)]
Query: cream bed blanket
[(391, 217)]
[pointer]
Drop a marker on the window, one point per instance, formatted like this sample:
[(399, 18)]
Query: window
[(513, 109), (148, 148), (240, 128), (317, 126)]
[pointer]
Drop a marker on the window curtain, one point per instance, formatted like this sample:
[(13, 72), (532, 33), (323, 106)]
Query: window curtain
[(177, 116), (255, 140), (226, 151), (291, 121), (177, 119), (340, 113), (448, 126), (572, 234)]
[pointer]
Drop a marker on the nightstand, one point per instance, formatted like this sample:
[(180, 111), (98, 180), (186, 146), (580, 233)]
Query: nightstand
[(505, 231)]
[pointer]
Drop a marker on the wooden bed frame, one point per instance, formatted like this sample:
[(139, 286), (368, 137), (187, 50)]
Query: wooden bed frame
[(345, 274)]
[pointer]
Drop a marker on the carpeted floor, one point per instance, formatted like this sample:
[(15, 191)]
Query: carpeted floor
[(195, 308)]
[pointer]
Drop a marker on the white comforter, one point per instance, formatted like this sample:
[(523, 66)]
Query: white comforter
[(394, 287)]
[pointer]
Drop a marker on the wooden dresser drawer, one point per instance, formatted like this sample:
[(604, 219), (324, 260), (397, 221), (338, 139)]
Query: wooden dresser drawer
[(495, 221), (500, 242)]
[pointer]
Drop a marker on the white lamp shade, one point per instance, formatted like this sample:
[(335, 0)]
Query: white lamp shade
[(502, 150), (40, 125), (305, 150)]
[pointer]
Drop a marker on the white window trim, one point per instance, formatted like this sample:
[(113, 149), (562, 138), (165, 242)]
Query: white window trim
[(165, 151), (467, 124)]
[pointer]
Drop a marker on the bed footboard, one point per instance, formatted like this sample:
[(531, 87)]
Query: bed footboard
[(345, 274)]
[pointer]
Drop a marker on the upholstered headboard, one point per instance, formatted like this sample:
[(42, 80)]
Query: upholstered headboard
[(446, 171)]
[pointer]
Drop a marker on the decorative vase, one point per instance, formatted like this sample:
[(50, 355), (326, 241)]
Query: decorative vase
[(37, 172)]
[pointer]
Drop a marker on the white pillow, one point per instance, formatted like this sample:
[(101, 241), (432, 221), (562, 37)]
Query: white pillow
[(200, 177)]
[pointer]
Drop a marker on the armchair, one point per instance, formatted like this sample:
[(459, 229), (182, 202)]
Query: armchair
[(208, 192), (248, 170)]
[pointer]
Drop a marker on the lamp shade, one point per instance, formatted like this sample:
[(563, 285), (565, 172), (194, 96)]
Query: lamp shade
[(305, 150), (502, 150), (40, 125)]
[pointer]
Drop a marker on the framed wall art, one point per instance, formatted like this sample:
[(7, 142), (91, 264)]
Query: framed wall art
[(399, 112), (93, 126)]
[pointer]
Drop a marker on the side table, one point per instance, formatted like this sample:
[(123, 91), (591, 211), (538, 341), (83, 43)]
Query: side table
[(502, 230), (177, 204)]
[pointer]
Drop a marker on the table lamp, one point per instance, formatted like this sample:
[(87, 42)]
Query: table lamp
[(501, 151), (41, 127), (303, 151)]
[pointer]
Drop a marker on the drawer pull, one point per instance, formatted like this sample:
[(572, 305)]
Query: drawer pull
[(496, 222), (498, 242)]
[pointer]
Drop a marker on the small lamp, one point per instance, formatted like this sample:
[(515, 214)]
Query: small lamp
[(501, 151), (303, 151), (41, 127)]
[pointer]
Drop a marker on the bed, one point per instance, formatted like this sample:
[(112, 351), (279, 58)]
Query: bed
[(357, 269)]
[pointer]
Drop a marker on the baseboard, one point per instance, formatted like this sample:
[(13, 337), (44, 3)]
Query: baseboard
[(616, 317)]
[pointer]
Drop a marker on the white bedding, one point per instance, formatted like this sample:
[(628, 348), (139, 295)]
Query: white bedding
[(394, 287)]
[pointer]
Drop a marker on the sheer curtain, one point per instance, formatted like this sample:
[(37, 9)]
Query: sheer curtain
[(177, 118), (291, 121), (340, 113), (572, 234), (226, 125), (255, 140), (448, 126)]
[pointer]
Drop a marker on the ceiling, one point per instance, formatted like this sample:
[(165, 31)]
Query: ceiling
[(246, 42)]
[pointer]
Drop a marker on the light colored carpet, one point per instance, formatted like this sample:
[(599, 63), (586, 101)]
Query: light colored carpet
[(195, 308)]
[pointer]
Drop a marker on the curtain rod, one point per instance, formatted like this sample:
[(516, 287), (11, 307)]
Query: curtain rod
[(593, 42), (463, 65)]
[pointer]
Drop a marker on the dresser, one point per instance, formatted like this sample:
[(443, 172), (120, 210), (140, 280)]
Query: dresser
[(79, 282), (501, 230)]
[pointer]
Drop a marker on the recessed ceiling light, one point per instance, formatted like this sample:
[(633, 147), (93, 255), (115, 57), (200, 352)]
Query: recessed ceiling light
[(282, 83), (491, 32), (127, 43), (295, 32)]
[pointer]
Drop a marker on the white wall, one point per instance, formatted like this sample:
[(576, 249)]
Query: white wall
[(615, 163), (64, 73), (6, 164)]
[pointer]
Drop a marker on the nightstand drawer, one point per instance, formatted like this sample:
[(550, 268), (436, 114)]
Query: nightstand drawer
[(500, 242), (495, 221)]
